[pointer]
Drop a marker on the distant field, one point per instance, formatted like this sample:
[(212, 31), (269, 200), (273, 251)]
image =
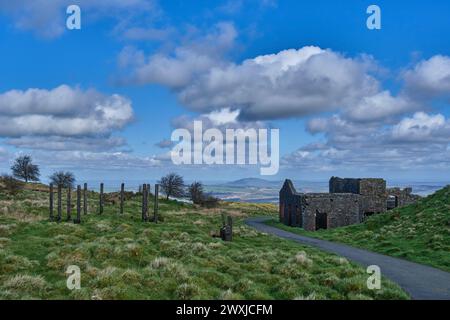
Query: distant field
[(122, 258), (419, 232)]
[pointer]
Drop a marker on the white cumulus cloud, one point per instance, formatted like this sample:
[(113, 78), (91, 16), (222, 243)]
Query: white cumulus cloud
[(422, 127), (64, 118), (429, 77), (289, 83)]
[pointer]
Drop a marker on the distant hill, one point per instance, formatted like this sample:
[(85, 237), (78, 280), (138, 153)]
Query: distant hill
[(254, 190), (253, 182)]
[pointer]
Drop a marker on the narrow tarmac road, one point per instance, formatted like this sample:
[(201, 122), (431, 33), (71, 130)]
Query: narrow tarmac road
[(420, 281)]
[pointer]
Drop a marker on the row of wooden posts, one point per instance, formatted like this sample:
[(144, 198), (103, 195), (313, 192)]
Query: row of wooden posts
[(144, 190)]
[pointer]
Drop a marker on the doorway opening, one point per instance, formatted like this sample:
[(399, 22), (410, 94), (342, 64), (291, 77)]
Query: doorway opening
[(321, 220)]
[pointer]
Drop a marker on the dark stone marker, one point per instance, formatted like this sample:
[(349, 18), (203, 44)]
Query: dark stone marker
[(101, 199), (144, 202), (148, 188), (78, 219), (140, 189), (51, 202), (122, 190), (85, 199), (59, 203), (69, 204), (155, 208), (226, 232)]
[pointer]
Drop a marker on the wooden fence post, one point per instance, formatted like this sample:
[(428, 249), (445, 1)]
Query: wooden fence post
[(101, 199), (59, 203), (85, 199), (78, 219), (122, 190), (144, 202), (51, 202), (69, 203), (148, 201), (155, 207)]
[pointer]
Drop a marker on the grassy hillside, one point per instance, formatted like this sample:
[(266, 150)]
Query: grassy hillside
[(419, 232), (122, 258)]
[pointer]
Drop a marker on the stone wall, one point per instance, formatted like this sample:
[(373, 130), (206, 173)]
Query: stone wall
[(289, 210), (374, 197), (341, 209), (347, 185), (372, 190)]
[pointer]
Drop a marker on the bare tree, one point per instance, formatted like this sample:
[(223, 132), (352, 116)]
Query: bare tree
[(23, 168), (65, 179), (196, 192), (172, 185)]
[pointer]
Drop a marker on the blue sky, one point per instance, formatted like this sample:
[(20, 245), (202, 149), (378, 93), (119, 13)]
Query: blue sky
[(385, 112)]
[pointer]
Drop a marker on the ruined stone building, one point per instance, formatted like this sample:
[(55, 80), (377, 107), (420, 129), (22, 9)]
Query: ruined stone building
[(349, 201), (400, 197)]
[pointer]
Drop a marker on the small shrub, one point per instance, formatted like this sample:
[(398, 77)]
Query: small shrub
[(243, 285), (229, 295), (328, 279), (302, 259), (209, 202), (10, 185), (311, 296), (6, 229), (343, 261), (134, 250), (215, 245), (107, 277), (103, 227), (26, 283), (186, 291), (132, 277), (109, 293), (11, 263), (359, 296), (198, 247), (160, 262)]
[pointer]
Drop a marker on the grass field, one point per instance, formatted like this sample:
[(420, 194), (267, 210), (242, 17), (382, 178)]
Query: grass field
[(121, 257), (419, 232)]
